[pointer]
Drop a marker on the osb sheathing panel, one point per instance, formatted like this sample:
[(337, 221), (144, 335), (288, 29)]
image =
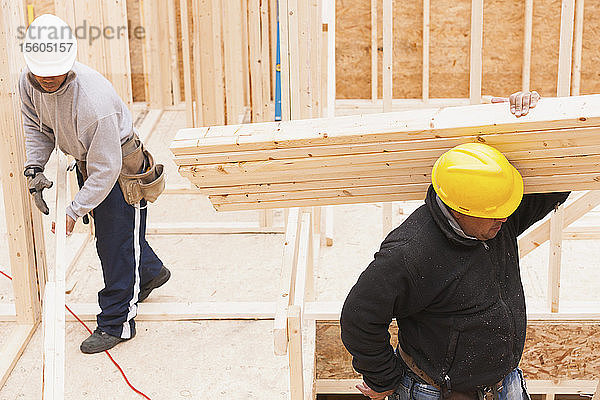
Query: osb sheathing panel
[(590, 75), (450, 35), (552, 351)]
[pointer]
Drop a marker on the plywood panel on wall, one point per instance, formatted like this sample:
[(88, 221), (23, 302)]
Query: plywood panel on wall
[(590, 58), (502, 48), (552, 351)]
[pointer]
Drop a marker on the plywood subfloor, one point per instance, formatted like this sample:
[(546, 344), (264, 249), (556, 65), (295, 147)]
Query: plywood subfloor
[(169, 360), (552, 351)]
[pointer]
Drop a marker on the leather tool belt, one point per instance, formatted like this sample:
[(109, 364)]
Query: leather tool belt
[(140, 177), (484, 393)]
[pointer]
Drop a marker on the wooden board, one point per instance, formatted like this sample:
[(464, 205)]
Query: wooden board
[(344, 160), (551, 113)]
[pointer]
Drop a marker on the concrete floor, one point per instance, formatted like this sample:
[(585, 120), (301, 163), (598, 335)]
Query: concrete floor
[(231, 359)]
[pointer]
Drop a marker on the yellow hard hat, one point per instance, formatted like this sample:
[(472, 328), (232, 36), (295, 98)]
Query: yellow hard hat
[(477, 180)]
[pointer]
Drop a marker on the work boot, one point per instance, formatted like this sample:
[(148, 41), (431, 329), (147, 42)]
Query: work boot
[(99, 341), (159, 280)]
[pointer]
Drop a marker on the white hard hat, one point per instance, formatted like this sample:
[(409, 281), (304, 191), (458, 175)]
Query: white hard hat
[(50, 47)]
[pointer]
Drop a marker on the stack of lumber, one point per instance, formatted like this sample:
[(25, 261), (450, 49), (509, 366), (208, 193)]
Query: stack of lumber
[(385, 157)]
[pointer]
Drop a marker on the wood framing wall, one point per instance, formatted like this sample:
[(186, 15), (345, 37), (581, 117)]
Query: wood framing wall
[(504, 42), (23, 223), (109, 52), (506, 58)]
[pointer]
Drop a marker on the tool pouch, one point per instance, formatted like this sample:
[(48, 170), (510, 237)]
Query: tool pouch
[(140, 177)]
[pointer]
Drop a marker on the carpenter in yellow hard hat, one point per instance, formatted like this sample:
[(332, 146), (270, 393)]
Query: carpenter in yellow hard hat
[(449, 276)]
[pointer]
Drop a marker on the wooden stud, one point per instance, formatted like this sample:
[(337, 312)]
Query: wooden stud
[(309, 359), (315, 49), (426, 20), (556, 226), (304, 263), (255, 57), (563, 88), (49, 379), (387, 218), (387, 90), (526, 74), (200, 28), (476, 59), (317, 222), (273, 29), (387, 55), (305, 60), (285, 59), (374, 50), (233, 59), (295, 353), (244, 61), (173, 57), (218, 61), (293, 18), (563, 84), (577, 48), (187, 71), (209, 310), (287, 282), (330, 311), (329, 226), (331, 79), (54, 315), (192, 228), (265, 219), (265, 63)]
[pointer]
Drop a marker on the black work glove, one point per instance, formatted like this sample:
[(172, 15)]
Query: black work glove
[(37, 182)]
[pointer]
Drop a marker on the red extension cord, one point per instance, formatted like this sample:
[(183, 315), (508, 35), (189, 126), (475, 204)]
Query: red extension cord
[(107, 353)]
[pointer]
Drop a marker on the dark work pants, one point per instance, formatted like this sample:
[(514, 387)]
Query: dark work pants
[(127, 261)]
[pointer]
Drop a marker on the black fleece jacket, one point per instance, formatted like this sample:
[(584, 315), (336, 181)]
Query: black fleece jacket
[(459, 303)]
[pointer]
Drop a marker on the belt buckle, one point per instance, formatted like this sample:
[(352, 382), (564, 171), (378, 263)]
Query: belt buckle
[(491, 392)]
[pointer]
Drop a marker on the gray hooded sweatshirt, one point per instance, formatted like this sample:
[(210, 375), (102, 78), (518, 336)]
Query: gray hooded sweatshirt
[(87, 120)]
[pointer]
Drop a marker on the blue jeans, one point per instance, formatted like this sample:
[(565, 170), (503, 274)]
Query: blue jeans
[(513, 388)]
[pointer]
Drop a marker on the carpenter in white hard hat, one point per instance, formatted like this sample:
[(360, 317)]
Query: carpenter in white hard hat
[(69, 105)]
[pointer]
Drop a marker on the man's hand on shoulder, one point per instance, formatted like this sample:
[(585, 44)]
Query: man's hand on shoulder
[(520, 102), (373, 395)]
